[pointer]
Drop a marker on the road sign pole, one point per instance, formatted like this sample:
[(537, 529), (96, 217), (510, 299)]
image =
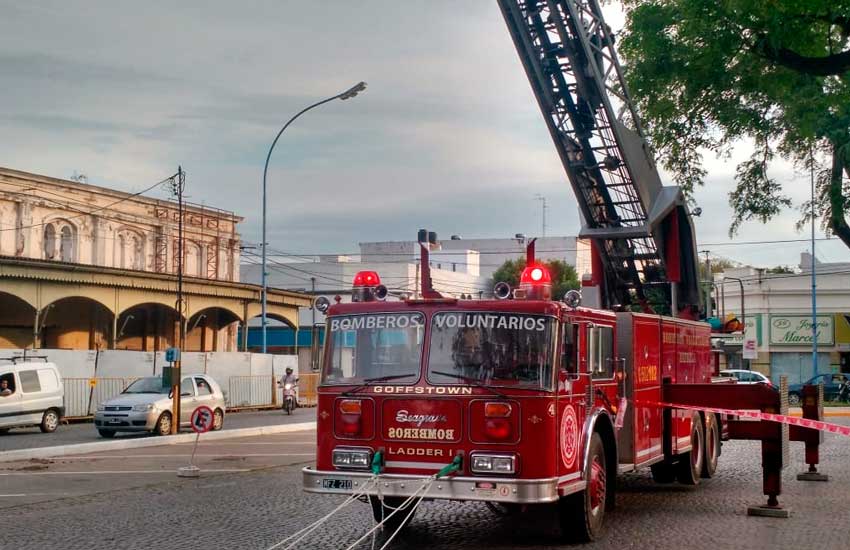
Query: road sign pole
[(202, 422)]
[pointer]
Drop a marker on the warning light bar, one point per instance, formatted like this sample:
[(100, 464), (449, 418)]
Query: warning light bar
[(368, 287), (535, 283), (535, 275), (367, 278)]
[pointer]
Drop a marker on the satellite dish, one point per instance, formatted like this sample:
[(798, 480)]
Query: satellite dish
[(572, 299), (502, 290)]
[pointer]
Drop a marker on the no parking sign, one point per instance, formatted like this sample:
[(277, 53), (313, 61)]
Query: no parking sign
[(202, 419)]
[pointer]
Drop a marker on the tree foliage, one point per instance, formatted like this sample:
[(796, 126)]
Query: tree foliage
[(564, 276), (707, 73)]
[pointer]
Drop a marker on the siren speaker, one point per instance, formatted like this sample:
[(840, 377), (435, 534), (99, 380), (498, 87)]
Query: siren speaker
[(502, 290)]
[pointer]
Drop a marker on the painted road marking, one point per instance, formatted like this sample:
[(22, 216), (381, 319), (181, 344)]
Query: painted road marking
[(169, 472)]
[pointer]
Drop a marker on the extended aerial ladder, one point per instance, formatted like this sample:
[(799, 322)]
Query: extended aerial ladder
[(641, 231)]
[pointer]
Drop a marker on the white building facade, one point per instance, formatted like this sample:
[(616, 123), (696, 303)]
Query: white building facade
[(778, 310)]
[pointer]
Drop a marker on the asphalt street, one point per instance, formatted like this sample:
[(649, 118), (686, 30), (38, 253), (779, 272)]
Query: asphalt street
[(84, 432), (249, 497)]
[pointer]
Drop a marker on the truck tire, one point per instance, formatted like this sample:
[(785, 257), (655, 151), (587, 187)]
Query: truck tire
[(712, 446), (689, 468), (663, 472), (398, 521), (582, 514)]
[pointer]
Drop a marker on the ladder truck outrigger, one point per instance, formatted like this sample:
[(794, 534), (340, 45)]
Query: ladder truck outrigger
[(530, 398)]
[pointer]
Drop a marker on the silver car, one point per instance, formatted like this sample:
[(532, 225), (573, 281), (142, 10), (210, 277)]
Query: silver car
[(145, 406)]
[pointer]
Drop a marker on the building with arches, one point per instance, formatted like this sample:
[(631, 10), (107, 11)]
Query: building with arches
[(85, 267)]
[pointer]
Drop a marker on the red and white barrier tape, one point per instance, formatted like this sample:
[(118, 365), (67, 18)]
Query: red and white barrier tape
[(758, 415)]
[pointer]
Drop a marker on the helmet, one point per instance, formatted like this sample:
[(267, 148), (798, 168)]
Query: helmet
[(288, 370)]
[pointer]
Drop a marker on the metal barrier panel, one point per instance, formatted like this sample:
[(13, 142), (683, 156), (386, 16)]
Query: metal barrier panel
[(249, 391), (76, 398)]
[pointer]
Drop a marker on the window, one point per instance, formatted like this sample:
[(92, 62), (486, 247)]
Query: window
[(203, 386), (601, 352), (362, 347), (67, 245), (7, 384), (29, 381), (187, 389), (499, 349), (47, 379), (569, 357), (49, 241)]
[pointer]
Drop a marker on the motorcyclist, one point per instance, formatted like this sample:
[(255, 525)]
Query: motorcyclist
[(290, 378)]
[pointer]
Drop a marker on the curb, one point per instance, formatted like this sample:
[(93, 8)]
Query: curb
[(99, 446)]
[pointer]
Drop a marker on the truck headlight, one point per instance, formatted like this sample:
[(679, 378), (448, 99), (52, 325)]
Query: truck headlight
[(352, 458), (493, 464), (143, 408)]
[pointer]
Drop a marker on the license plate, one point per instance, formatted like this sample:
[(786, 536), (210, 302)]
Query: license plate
[(342, 484), (114, 421)]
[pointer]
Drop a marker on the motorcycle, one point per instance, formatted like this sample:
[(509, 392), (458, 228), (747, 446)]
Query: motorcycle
[(290, 396)]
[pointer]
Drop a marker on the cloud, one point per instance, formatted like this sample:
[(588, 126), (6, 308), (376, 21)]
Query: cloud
[(447, 136)]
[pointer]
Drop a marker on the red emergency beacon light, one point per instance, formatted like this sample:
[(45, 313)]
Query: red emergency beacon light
[(367, 287), (536, 283)]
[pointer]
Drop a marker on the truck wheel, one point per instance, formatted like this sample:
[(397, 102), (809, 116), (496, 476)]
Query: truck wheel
[(582, 514), (663, 472), (381, 511), (690, 464), (712, 446), (794, 399)]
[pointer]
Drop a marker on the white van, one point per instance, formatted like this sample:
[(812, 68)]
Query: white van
[(31, 394)]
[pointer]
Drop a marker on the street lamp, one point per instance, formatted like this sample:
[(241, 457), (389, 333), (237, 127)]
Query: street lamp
[(348, 94)]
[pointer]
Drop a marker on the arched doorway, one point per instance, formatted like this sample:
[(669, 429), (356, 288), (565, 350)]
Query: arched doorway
[(75, 323), (17, 322), (212, 329), (147, 327)]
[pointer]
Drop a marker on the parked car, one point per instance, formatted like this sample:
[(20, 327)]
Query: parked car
[(746, 376), (31, 394), (831, 384), (146, 406)]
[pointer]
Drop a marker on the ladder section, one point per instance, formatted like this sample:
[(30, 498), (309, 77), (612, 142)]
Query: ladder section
[(567, 52)]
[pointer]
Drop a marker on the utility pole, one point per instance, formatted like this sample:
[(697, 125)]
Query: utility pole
[(542, 199), (178, 184), (814, 275)]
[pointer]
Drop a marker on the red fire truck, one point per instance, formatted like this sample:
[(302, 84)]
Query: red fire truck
[(530, 399), (525, 399)]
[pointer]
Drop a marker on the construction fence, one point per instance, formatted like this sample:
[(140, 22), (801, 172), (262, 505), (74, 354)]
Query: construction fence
[(248, 380)]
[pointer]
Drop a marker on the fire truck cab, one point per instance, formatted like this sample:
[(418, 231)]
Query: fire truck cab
[(515, 401)]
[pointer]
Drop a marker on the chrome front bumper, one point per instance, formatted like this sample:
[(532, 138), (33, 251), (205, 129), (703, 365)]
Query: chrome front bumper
[(518, 491)]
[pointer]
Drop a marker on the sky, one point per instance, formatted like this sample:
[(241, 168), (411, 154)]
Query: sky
[(447, 136)]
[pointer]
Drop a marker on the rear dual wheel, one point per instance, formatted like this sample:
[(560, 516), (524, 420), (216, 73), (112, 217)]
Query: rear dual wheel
[(712, 446), (689, 468)]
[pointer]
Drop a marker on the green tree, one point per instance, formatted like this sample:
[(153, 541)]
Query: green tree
[(564, 275), (708, 73)]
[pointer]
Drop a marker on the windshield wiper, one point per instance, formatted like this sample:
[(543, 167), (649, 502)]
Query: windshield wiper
[(472, 381), (371, 381)]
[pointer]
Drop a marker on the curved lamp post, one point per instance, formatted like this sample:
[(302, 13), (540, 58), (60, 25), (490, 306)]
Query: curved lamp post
[(348, 94)]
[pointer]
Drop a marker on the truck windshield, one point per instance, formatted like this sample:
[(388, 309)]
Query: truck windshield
[(497, 349), (377, 345)]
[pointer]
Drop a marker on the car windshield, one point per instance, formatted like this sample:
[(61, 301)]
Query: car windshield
[(495, 349), (380, 345), (147, 385)]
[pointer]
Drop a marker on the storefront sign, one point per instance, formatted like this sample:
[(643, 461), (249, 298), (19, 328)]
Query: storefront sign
[(752, 329), (842, 331), (796, 330)]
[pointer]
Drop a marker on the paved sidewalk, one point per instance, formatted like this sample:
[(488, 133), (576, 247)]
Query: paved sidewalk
[(84, 432)]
